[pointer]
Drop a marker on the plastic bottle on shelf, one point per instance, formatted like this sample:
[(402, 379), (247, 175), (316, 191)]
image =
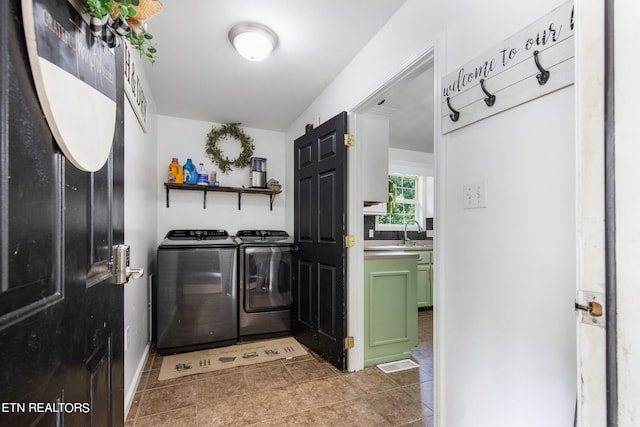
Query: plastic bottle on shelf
[(190, 173), (203, 176), (175, 172)]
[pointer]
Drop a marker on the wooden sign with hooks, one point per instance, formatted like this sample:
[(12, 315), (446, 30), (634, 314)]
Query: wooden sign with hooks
[(534, 62)]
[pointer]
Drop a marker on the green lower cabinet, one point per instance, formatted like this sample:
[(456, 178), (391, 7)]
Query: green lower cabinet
[(391, 313), (425, 279)]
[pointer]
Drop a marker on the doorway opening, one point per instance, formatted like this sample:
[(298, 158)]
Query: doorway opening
[(406, 103)]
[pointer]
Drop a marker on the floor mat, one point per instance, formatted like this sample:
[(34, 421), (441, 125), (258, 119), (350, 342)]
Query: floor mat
[(213, 359)]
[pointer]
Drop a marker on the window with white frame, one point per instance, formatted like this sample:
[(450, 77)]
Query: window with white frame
[(408, 205)]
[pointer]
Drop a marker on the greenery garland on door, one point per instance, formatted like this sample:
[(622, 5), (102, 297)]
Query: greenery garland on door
[(229, 131)]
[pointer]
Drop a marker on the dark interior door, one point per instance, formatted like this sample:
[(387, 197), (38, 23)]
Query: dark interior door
[(320, 178), (61, 318)]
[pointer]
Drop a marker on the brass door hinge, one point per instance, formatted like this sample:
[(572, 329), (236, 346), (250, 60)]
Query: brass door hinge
[(349, 241), (349, 140), (349, 342)]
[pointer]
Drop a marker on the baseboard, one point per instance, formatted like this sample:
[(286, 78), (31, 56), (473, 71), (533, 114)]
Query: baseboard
[(128, 399)]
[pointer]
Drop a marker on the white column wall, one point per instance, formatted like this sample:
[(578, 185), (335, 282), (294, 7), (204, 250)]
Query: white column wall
[(140, 216)]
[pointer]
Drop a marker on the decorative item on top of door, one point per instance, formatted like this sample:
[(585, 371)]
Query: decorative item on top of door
[(75, 75), (75, 79), (112, 20)]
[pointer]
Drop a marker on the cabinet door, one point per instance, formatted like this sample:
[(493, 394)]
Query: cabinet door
[(429, 286), (425, 279), (423, 285), (391, 315)]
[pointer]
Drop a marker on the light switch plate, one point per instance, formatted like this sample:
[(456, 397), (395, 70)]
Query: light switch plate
[(474, 195)]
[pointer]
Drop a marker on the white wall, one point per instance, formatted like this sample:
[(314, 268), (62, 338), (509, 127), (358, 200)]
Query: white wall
[(505, 262), (498, 362), (184, 139), (140, 182), (411, 162)]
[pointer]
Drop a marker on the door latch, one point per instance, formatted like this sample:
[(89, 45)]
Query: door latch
[(590, 308), (594, 308)]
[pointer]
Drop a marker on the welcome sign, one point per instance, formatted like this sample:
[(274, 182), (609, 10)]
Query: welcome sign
[(507, 75), (135, 84), (75, 78)]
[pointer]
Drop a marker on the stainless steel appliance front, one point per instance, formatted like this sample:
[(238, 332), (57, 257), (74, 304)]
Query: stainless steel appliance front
[(264, 274), (196, 291)]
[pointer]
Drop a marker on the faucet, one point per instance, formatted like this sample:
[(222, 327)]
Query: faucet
[(413, 221)]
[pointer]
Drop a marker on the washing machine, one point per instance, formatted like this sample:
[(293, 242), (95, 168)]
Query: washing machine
[(265, 265), (196, 291)]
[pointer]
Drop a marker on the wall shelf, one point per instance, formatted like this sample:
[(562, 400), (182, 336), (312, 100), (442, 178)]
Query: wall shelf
[(209, 188)]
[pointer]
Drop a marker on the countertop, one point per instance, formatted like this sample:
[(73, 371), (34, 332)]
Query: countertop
[(378, 255), (397, 245)]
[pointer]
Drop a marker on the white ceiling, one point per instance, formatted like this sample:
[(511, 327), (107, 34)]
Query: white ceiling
[(198, 75)]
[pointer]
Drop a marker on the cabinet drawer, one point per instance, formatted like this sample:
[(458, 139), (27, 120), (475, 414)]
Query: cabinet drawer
[(426, 257)]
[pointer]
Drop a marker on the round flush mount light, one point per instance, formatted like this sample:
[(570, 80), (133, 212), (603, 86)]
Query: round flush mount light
[(252, 40)]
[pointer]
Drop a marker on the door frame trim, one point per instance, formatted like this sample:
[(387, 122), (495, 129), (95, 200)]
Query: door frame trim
[(355, 255)]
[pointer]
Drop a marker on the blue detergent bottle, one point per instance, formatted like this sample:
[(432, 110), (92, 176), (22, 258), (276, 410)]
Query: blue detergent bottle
[(203, 176), (190, 173)]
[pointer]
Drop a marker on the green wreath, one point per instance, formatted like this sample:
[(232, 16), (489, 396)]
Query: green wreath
[(230, 130)]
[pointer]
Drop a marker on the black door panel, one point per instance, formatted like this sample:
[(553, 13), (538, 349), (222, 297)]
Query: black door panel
[(328, 208), (61, 318), (319, 216)]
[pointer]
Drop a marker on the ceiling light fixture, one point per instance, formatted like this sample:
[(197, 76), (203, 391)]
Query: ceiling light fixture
[(252, 40)]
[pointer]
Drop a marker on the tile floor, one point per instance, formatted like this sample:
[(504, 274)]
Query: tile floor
[(305, 391)]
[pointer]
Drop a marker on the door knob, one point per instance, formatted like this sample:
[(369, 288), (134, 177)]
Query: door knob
[(134, 273), (121, 270)]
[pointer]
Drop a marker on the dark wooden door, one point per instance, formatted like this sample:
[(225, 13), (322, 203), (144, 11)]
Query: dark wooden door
[(61, 318), (320, 179)]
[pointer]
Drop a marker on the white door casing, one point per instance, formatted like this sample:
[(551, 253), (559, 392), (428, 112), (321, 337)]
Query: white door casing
[(590, 243)]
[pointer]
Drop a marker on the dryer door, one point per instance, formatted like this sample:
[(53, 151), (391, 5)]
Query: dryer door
[(267, 278)]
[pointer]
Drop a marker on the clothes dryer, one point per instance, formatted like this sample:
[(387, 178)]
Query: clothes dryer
[(265, 265)]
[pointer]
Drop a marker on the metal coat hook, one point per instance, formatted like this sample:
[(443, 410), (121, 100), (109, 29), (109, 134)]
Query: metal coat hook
[(456, 114), (490, 99), (543, 76)]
